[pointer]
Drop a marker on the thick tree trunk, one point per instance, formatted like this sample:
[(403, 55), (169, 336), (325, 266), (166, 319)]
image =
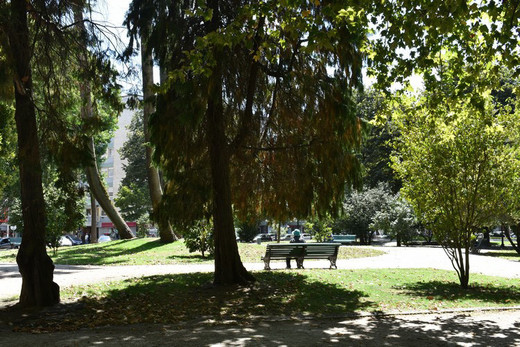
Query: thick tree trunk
[(516, 231), (93, 220), (36, 267), (228, 266), (98, 190), (97, 187), (166, 233)]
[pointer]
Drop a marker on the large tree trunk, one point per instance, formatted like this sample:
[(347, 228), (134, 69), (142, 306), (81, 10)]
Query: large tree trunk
[(36, 267), (96, 184), (166, 233), (516, 231), (93, 220), (98, 190), (228, 266)]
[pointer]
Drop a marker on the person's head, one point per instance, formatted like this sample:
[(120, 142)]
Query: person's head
[(296, 234)]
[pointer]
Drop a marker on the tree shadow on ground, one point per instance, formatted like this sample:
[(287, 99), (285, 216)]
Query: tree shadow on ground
[(183, 297), (426, 330), (504, 254), (112, 250), (451, 291), (193, 256)]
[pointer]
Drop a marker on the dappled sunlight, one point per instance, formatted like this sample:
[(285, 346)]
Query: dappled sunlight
[(178, 298), (488, 294), (426, 330)]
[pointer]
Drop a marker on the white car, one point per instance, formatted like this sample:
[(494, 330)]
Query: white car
[(104, 238)]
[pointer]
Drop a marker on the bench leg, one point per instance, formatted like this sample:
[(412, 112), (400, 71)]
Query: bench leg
[(299, 263), (333, 262), (266, 264)]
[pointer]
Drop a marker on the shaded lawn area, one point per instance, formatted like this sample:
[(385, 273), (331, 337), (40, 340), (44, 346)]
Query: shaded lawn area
[(509, 254), (184, 297), (149, 251)]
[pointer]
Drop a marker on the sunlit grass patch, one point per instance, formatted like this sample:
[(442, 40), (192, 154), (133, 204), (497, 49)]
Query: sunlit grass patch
[(150, 251)]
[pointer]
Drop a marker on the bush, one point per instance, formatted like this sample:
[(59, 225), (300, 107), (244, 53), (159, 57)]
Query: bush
[(360, 209), (247, 230), (397, 220), (320, 228), (199, 238)]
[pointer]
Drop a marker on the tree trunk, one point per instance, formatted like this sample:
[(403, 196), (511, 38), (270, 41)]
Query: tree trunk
[(516, 246), (98, 190), (228, 266), (96, 185), (166, 233), (35, 266), (93, 220)]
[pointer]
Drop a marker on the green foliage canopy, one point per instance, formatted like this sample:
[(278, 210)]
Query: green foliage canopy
[(291, 129), (459, 161)]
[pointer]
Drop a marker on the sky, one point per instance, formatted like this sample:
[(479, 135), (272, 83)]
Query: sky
[(113, 12)]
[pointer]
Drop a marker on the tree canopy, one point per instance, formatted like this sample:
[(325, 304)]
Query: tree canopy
[(257, 111), (458, 158)]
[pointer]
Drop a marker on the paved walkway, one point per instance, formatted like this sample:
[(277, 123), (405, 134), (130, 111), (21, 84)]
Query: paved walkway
[(402, 257)]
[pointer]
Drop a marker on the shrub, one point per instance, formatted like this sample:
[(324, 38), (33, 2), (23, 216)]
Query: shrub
[(199, 238)]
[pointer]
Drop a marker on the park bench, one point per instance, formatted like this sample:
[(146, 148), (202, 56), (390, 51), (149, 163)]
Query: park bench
[(301, 251), (344, 239)]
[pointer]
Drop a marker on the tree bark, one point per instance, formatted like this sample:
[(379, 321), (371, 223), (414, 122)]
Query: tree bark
[(166, 233), (93, 220), (35, 266), (97, 187), (516, 229), (228, 266)]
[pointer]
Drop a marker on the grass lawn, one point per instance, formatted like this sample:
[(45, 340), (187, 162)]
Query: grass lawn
[(509, 254), (180, 298), (150, 251)]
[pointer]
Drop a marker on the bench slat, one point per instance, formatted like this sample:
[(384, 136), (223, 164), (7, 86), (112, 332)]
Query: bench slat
[(301, 251)]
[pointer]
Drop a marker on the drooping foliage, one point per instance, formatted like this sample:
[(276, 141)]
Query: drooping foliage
[(256, 108), (290, 124), (38, 47)]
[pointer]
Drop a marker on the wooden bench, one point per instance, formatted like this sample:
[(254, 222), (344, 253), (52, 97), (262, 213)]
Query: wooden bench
[(344, 239), (301, 251)]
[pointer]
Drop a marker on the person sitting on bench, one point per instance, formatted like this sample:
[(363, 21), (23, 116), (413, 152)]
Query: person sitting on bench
[(296, 239)]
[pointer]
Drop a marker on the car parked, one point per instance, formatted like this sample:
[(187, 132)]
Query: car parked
[(262, 238), (104, 238), (70, 240), (497, 233), (286, 237), (5, 243)]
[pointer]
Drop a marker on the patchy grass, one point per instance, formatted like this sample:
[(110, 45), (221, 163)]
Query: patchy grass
[(176, 298), (150, 251)]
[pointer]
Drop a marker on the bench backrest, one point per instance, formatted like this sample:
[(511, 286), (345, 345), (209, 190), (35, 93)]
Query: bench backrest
[(302, 249), (322, 249), (344, 237), (282, 250)]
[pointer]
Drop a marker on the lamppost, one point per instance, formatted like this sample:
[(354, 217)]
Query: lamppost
[(13, 228)]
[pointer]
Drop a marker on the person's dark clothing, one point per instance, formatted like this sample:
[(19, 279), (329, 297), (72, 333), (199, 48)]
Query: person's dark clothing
[(296, 239)]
